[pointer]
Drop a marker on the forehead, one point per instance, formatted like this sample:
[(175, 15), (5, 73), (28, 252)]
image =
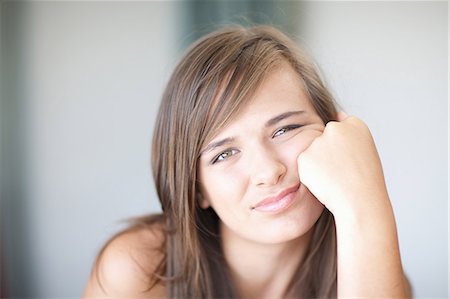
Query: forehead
[(281, 90)]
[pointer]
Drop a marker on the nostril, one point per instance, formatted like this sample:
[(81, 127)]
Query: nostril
[(268, 173)]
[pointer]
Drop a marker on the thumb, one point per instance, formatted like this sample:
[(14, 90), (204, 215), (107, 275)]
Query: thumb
[(341, 115)]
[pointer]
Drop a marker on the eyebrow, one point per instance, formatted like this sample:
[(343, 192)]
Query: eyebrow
[(218, 143), (271, 122), (282, 116)]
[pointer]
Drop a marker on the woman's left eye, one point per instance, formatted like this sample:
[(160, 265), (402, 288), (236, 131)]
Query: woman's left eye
[(283, 130)]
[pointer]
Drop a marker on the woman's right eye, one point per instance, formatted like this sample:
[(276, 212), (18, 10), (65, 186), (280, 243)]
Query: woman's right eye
[(224, 155)]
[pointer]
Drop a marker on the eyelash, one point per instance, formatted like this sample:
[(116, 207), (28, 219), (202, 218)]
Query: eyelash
[(235, 151), (285, 129), (216, 159)]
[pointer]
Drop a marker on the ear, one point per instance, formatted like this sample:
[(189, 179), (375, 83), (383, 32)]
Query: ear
[(204, 203), (202, 200)]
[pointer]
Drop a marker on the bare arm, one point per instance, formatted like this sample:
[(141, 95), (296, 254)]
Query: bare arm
[(342, 169), (369, 263)]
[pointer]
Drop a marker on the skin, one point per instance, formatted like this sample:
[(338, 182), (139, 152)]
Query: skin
[(120, 272), (343, 170)]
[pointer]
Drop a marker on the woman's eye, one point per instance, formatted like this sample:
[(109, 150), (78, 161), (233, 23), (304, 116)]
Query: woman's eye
[(283, 130), (224, 155)]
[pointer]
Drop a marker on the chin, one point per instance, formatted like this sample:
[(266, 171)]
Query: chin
[(293, 224)]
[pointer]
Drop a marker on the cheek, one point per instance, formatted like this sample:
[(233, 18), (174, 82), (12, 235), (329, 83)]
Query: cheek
[(297, 144), (216, 188)]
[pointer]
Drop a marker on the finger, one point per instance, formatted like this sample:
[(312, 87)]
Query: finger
[(341, 115)]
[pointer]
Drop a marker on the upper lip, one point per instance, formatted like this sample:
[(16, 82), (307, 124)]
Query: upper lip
[(275, 198)]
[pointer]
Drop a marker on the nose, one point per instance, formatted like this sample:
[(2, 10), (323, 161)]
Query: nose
[(266, 168)]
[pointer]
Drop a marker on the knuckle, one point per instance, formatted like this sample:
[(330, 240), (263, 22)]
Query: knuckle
[(331, 125)]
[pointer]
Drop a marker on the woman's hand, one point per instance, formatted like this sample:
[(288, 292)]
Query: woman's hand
[(342, 168)]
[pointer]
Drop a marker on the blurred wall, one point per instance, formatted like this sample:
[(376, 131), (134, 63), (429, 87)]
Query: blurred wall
[(387, 62), (203, 16), (83, 82)]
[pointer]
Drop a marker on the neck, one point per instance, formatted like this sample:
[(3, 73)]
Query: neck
[(262, 270)]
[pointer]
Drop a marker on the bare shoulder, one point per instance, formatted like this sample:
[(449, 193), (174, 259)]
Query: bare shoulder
[(126, 263)]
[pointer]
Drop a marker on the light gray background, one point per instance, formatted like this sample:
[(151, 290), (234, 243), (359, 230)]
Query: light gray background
[(82, 83)]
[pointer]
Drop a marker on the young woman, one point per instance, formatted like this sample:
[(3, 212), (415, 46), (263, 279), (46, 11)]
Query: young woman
[(266, 190)]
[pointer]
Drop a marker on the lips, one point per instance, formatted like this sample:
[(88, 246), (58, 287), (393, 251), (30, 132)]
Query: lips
[(278, 202)]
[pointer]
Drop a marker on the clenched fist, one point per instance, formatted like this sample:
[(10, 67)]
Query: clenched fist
[(342, 168)]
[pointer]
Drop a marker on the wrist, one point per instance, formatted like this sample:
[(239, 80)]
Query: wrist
[(364, 209), (368, 252)]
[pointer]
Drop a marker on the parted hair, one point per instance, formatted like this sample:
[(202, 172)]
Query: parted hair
[(210, 85)]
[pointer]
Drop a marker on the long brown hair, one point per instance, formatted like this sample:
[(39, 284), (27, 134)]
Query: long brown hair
[(212, 82)]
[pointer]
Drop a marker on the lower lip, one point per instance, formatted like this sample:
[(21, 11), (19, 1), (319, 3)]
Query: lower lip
[(279, 205)]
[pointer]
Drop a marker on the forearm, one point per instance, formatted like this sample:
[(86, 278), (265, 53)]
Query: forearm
[(369, 263), (343, 170)]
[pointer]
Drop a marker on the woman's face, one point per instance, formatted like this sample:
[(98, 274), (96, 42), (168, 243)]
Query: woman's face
[(248, 172)]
